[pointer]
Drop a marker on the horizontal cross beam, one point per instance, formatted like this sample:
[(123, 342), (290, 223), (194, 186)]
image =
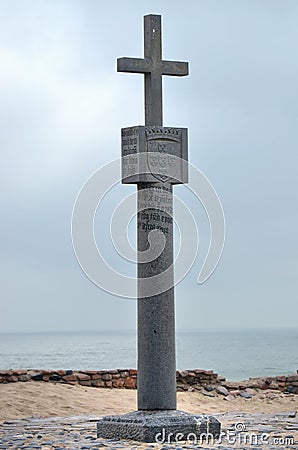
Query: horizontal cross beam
[(139, 65)]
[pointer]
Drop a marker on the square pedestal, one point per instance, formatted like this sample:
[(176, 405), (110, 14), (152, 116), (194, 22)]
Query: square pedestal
[(163, 427)]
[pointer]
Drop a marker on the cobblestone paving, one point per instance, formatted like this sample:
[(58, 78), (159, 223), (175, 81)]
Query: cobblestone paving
[(240, 431)]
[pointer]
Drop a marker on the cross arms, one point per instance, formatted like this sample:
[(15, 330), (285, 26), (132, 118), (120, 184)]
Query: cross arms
[(139, 65)]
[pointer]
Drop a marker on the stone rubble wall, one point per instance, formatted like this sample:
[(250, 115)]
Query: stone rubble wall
[(119, 378), (126, 378), (196, 378), (282, 383), (187, 380)]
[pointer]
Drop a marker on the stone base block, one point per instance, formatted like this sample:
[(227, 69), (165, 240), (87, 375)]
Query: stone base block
[(159, 426)]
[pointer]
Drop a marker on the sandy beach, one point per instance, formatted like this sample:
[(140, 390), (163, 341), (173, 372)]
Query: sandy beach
[(40, 399)]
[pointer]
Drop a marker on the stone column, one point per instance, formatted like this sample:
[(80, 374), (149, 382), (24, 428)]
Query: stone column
[(156, 314)]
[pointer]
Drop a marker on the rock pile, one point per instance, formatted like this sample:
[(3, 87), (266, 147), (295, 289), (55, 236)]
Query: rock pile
[(196, 378), (187, 380), (283, 383), (121, 378)]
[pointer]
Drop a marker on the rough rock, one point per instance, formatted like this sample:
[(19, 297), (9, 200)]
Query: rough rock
[(222, 390), (37, 376), (71, 377), (84, 376), (130, 383), (245, 394)]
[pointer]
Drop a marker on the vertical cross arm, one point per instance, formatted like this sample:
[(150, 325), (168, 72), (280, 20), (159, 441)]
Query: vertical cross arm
[(152, 37)]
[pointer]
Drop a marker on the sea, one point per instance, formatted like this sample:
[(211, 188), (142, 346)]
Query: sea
[(234, 354)]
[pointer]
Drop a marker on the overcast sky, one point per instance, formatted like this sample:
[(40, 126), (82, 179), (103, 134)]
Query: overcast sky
[(61, 109)]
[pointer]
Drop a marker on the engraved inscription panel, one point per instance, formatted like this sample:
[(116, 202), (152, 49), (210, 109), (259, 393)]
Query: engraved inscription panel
[(130, 146)]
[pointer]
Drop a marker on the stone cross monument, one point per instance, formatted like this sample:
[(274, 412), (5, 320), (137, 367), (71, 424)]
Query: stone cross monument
[(155, 157), (156, 316)]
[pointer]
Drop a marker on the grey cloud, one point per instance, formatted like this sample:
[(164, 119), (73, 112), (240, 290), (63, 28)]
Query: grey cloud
[(62, 106)]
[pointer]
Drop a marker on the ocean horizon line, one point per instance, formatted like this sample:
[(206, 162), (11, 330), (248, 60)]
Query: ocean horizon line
[(134, 330)]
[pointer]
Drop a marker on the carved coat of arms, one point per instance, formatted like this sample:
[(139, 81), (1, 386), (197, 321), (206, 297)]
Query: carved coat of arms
[(162, 162)]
